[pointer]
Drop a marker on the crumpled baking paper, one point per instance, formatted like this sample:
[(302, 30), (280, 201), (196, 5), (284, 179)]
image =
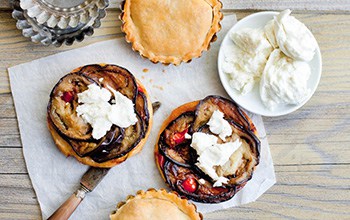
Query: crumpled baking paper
[(55, 177)]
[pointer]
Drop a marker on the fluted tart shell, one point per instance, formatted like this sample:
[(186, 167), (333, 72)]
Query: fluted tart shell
[(171, 32), (156, 205)]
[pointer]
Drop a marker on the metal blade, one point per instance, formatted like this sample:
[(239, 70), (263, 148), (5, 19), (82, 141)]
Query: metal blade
[(94, 175)]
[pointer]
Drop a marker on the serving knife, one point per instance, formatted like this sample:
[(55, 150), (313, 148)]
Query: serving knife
[(91, 178)]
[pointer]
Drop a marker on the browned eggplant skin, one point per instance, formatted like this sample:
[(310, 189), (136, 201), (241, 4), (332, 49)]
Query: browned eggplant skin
[(64, 143), (174, 172)]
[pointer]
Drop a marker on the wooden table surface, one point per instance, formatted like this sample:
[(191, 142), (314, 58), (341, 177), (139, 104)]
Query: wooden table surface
[(310, 147)]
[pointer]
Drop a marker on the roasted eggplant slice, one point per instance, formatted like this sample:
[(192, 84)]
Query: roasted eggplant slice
[(62, 107), (187, 182), (131, 137), (113, 76), (85, 148), (230, 109), (173, 143), (141, 107), (244, 159), (175, 132)]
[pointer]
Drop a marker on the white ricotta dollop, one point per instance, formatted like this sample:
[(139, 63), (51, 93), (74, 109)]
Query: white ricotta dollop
[(284, 80), (245, 60), (293, 37), (96, 110), (218, 125), (212, 154)]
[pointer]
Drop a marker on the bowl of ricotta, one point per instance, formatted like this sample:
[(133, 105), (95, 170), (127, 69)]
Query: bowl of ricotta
[(270, 63)]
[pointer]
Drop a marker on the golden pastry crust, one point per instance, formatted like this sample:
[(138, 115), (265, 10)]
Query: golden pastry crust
[(159, 204), (171, 31), (67, 149)]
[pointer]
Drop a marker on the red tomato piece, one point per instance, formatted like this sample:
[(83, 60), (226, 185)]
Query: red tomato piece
[(190, 184), (179, 137), (67, 96), (161, 160)]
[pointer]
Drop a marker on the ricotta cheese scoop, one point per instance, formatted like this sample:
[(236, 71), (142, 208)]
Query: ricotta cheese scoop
[(293, 37), (96, 109), (211, 153), (245, 60), (284, 81)]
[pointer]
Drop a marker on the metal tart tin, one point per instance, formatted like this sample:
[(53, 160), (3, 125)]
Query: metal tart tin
[(54, 22)]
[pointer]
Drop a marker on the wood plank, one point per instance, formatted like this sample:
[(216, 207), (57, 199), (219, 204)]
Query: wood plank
[(314, 5), (308, 192), (7, 109), (9, 133), (12, 161), (18, 200)]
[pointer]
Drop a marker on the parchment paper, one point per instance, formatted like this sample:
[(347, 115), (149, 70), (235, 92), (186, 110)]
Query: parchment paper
[(55, 177)]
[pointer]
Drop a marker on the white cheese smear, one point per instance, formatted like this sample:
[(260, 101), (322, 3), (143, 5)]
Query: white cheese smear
[(218, 125), (96, 110), (245, 60), (284, 81), (293, 37), (211, 153)]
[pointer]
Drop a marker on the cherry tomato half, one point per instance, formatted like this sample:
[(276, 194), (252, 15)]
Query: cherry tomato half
[(190, 184)]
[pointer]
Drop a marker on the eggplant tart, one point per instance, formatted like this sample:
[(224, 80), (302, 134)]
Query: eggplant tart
[(177, 160), (73, 135), (171, 31), (156, 205)]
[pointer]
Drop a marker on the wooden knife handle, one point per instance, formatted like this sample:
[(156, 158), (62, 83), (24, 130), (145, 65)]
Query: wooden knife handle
[(69, 206)]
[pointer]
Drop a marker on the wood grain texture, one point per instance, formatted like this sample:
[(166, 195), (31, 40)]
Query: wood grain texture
[(315, 5), (310, 147)]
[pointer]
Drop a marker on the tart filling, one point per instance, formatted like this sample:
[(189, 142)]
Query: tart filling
[(155, 205), (99, 111), (208, 150), (171, 31)]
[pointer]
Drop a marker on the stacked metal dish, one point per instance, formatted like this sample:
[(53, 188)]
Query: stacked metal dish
[(56, 22)]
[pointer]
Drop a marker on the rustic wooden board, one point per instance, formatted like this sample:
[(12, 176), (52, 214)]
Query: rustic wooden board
[(309, 147), (315, 5)]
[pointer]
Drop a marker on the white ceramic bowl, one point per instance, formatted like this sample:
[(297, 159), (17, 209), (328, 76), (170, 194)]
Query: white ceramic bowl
[(252, 101)]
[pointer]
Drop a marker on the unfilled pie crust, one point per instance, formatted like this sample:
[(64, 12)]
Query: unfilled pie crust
[(155, 205), (171, 31)]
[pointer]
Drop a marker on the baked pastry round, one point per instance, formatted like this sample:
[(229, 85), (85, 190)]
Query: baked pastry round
[(73, 135), (155, 205), (177, 160), (171, 31)]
